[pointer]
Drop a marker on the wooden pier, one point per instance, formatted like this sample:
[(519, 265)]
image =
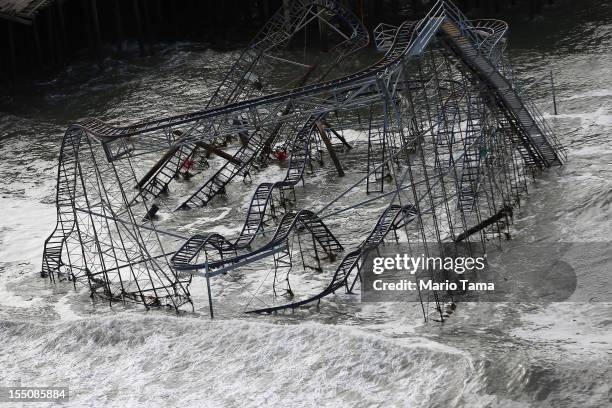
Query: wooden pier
[(39, 35)]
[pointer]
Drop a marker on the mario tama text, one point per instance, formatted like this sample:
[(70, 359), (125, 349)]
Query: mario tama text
[(428, 284)]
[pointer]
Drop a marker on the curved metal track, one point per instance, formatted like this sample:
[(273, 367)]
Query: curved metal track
[(183, 259), (347, 84), (264, 192), (275, 34), (253, 148), (393, 218), (117, 246)]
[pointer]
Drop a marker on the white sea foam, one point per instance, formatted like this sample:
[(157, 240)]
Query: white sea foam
[(598, 93), (127, 360)]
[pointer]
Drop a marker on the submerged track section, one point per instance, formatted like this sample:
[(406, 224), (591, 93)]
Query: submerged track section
[(448, 130), (393, 218)]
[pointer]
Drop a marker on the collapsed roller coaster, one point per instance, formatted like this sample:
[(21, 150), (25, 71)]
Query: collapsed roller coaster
[(441, 131)]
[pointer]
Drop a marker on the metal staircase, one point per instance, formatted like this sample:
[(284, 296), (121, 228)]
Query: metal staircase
[(259, 205), (216, 184), (169, 171), (274, 35), (92, 250), (541, 148)]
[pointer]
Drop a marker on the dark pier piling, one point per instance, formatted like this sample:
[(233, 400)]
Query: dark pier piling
[(41, 35)]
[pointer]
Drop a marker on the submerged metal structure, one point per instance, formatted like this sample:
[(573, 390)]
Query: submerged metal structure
[(445, 142)]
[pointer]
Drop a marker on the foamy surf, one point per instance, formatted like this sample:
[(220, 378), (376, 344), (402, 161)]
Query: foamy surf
[(127, 360)]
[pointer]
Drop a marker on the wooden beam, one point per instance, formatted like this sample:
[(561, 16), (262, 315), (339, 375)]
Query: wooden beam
[(216, 151), (330, 147), (339, 136), (211, 149), (156, 167), (504, 212)]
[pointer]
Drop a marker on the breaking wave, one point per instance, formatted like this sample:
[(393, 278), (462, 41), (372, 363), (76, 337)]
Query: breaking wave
[(124, 360)]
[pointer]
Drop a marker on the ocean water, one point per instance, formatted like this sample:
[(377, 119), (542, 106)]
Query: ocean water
[(510, 354)]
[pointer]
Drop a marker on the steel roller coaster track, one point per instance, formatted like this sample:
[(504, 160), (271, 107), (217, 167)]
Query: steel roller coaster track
[(448, 130)]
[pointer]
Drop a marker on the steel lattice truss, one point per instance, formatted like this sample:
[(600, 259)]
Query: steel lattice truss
[(448, 139)]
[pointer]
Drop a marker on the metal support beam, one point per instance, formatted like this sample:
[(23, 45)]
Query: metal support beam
[(554, 96), (210, 302)]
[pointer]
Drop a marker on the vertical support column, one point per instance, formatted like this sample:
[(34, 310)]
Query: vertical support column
[(37, 43), (51, 37), (159, 16), (286, 7), (11, 41), (96, 31), (62, 24), (554, 96), (118, 26), (210, 304), (174, 19), (148, 26), (136, 8), (322, 31)]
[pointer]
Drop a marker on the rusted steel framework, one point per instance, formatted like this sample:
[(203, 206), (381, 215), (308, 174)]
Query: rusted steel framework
[(444, 138)]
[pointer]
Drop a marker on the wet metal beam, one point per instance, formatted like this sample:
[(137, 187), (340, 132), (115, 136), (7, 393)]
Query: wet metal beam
[(330, 148), (504, 212)]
